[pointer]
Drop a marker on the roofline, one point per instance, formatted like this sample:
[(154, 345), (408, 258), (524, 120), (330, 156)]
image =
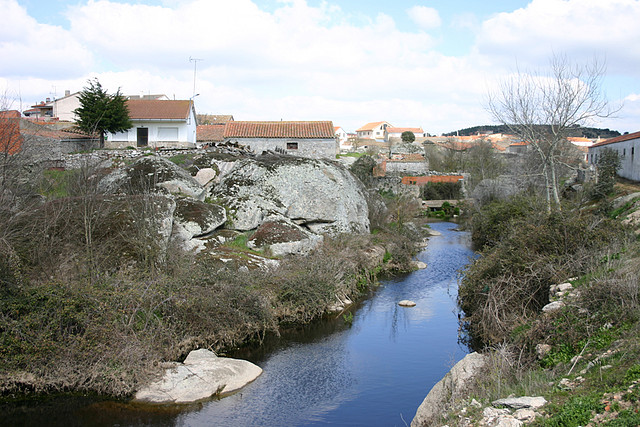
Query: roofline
[(620, 138)]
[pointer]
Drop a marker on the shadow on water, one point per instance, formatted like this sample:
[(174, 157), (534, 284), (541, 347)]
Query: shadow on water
[(374, 370)]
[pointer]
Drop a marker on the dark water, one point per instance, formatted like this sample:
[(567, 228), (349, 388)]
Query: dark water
[(374, 372)]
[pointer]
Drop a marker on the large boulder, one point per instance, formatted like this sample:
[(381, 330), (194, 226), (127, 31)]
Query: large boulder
[(282, 237), (318, 195), (201, 376), (452, 385), (151, 174), (198, 219)]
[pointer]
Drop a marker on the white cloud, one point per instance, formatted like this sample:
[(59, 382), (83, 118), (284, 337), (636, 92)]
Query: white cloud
[(28, 48), (580, 28), (424, 17), (301, 61)]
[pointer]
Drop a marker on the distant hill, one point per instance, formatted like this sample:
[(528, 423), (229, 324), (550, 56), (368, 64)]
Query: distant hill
[(575, 132)]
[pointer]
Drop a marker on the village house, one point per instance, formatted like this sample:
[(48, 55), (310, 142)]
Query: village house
[(374, 130), (157, 124), (312, 139), (343, 138), (395, 134), (625, 146), (56, 109)]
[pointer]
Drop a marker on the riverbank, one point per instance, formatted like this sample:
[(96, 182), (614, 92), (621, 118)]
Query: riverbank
[(109, 335), (559, 319)]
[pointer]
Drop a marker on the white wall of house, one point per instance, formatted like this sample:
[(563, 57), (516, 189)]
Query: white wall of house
[(63, 107), (302, 147), (161, 134), (629, 152)]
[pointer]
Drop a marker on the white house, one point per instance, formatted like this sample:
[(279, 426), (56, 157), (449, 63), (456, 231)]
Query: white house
[(56, 109), (343, 138), (311, 139), (375, 130), (625, 146), (157, 123), (393, 132)]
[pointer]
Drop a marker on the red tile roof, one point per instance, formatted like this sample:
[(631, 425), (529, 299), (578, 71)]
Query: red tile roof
[(370, 126), (618, 139), (421, 180), (10, 137), (400, 130), (210, 133), (318, 129), (161, 110)]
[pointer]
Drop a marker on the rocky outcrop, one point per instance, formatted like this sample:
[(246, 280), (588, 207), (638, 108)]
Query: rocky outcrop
[(453, 384), (281, 236), (201, 376), (151, 174), (318, 195)]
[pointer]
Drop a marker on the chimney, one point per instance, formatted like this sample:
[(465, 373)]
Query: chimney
[(67, 92), (48, 99)]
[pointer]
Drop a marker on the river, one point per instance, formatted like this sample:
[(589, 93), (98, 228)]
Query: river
[(372, 371)]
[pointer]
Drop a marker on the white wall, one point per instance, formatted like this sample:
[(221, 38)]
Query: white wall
[(162, 133), (629, 152), (63, 108)]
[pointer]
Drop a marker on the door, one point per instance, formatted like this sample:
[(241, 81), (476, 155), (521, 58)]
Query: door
[(143, 137)]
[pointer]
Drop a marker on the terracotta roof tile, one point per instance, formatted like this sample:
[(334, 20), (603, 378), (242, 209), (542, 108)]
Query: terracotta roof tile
[(210, 133), (370, 126), (618, 139), (316, 129), (10, 137), (400, 130), (152, 109)]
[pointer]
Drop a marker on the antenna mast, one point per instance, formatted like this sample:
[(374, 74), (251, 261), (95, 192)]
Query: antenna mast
[(195, 65)]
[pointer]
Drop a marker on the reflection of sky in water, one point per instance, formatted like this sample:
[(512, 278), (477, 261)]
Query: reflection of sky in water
[(377, 372)]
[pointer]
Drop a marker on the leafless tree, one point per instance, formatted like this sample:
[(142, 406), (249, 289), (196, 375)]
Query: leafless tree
[(542, 107)]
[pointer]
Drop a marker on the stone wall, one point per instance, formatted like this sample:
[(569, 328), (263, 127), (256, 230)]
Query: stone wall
[(309, 148)]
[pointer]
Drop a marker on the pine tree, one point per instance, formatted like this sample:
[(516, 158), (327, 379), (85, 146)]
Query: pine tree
[(100, 112)]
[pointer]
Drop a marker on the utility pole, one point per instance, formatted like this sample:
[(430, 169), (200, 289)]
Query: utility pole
[(195, 65)]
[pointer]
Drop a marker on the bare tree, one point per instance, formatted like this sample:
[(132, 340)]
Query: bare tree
[(541, 108)]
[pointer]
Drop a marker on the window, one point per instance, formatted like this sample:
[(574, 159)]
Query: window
[(167, 134), (624, 152), (292, 145)]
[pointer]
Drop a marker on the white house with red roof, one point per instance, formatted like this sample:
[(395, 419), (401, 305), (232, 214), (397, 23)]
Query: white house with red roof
[(157, 123), (312, 139), (373, 130), (626, 146), (393, 132)]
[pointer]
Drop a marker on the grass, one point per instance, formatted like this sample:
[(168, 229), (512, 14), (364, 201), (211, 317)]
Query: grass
[(55, 183)]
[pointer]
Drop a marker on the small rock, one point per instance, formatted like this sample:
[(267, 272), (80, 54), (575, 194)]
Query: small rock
[(406, 303), (542, 350), (419, 265), (476, 404), (492, 413), (521, 402), (553, 306), (525, 415)]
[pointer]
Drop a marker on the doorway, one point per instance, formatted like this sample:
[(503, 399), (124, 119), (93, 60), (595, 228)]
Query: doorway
[(143, 137)]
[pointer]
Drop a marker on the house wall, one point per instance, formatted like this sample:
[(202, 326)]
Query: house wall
[(63, 108), (629, 152), (162, 134), (310, 148), (407, 167)]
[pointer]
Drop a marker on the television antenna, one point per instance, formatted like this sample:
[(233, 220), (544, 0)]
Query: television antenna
[(195, 66)]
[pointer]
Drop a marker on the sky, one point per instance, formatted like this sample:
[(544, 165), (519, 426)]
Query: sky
[(413, 63)]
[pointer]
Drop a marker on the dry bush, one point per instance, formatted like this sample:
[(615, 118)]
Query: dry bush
[(509, 283)]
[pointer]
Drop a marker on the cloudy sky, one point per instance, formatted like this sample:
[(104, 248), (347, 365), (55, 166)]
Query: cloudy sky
[(425, 63)]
